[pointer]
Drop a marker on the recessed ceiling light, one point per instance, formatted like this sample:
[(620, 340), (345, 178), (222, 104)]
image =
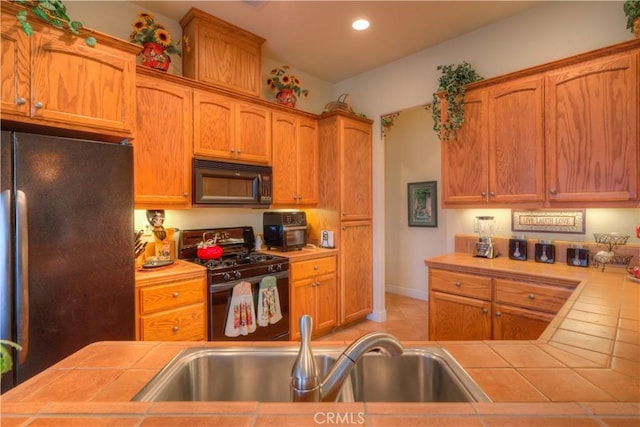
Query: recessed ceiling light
[(360, 24)]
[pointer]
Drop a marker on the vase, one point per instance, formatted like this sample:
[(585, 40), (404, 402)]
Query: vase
[(154, 56), (286, 97), (636, 27)]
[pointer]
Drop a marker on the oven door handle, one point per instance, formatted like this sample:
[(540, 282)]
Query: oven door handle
[(222, 287)]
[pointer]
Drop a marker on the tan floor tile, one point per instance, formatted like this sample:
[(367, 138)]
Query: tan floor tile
[(564, 385)]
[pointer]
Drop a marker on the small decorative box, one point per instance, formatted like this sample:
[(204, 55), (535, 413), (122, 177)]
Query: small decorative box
[(545, 252), (577, 256), (518, 248)]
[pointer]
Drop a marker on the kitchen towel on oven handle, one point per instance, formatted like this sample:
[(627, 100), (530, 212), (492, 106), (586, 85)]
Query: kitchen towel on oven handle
[(241, 315), (268, 302)]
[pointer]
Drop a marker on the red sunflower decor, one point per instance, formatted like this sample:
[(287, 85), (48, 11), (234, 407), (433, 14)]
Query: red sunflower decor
[(156, 40), (286, 86)]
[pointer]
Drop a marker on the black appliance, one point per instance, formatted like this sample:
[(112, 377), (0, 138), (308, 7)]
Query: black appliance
[(239, 263), (285, 230), (231, 184), (66, 247)]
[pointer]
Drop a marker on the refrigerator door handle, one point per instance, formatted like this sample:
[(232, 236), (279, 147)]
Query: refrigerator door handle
[(22, 274), (6, 303)]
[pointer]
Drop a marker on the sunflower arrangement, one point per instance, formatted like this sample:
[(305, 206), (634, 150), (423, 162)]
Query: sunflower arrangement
[(146, 30), (281, 78)]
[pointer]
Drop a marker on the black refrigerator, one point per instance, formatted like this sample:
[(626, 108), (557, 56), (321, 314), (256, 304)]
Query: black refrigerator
[(66, 247)]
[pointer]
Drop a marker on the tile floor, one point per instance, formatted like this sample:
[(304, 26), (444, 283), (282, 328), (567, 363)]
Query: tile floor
[(406, 320)]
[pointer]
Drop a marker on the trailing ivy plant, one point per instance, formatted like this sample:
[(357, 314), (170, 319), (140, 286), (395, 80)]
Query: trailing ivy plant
[(452, 83), (6, 363), (53, 12)]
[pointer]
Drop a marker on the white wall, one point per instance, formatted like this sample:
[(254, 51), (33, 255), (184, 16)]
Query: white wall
[(544, 33)]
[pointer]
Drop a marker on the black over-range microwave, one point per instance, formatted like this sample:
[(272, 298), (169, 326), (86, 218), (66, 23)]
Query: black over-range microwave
[(231, 184)]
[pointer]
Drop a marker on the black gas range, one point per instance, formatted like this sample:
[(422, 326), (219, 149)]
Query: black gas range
[(239, 265), (239, 260)]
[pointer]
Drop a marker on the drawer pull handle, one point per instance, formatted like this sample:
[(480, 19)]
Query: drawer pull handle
[(458, 284), (38, 105), (485, 310), (176, 294), (498, 313), (532, 296), (175, 329), (315, 267)]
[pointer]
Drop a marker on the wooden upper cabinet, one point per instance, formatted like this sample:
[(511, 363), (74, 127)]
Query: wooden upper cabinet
[(465, 159), (221, 53), (54, 79), (227, 129), (516, 141), (295, 160), (253, 133), (163, 144), (356, 169), (498, 154), (592, 130)]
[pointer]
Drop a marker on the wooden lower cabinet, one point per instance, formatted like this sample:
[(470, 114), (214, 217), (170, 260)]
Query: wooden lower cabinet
[(464, 306), (514, 323), (314, 292), (454, 317), (171, 308), (356, 274)]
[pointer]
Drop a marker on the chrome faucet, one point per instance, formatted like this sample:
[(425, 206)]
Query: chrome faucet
[(305, 385)]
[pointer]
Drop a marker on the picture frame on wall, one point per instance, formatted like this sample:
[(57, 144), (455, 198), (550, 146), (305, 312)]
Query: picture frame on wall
[(422, 201)]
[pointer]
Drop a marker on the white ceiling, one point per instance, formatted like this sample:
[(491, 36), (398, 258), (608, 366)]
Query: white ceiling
[(316, 36)]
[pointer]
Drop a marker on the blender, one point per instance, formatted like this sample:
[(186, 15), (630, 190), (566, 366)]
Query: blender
[(484, 245)]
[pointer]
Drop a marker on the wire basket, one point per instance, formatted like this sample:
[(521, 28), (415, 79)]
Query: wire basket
[(342, 104)]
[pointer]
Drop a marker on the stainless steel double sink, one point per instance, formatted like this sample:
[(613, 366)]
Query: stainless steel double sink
[(420, 374)]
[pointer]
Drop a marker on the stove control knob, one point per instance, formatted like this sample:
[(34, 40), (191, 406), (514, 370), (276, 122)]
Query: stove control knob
[(226, 277), (271, 268), (238, 275), (279, 267)]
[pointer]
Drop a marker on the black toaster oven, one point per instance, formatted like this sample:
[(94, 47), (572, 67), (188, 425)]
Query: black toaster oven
[(285, 230)]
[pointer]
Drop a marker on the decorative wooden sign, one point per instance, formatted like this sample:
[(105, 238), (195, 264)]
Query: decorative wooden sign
[(549, 221)]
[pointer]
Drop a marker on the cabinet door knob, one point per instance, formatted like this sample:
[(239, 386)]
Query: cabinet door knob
[(239, 152), (185, 194), (176, 294), (344, 214), (21, 101), (315, 267), (175, 329), (552, 190), (344, 228), (485, 310), (38, 105), (532, 296), (232, 151), (492, 194), (483, 194), (498, 313), (458, 284)]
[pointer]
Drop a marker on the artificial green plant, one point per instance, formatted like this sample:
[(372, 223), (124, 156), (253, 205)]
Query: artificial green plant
[(452, 84)]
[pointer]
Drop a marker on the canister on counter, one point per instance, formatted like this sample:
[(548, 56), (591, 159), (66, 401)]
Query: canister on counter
[(518, 248), (545, 251), (577, 256)]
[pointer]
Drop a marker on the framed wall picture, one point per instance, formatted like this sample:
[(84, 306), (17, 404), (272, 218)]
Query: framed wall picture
[(423, 204)]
